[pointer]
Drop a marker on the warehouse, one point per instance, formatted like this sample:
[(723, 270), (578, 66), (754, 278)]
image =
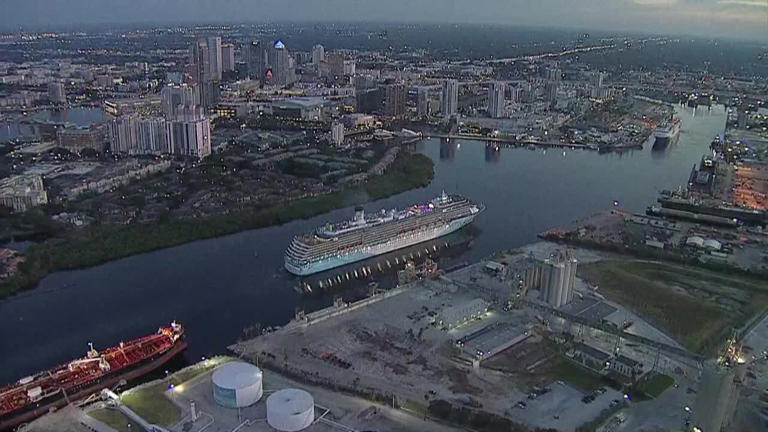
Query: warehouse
[(457, 315)]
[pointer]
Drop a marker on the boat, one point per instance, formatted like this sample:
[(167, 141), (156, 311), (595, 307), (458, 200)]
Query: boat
[(36, 395), (365, 236), (668, 131)]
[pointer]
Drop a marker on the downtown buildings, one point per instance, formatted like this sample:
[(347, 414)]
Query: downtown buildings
[(182, 130)]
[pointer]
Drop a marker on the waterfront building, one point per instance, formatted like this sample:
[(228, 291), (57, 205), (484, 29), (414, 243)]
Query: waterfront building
[(227, 58), (56, 93), (450, 97), (554, 277), (455, 316), (496, 103), (337, 133), (22, 192)]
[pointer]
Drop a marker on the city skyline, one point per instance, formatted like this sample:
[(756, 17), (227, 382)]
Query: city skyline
[(741, 19)]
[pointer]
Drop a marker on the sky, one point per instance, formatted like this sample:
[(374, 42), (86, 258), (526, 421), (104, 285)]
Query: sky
[(743, 19)]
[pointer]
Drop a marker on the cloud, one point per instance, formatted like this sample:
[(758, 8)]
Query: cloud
[(750, 3)]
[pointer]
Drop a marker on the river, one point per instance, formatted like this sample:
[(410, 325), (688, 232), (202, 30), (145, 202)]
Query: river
[(217, 287), (83, 116)]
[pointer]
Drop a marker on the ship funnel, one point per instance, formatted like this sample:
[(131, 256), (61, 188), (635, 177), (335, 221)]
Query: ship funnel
[(359, 214)]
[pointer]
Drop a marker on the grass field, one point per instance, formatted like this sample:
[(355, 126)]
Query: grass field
[(696, 306), (577, 376), (656, 385), (112, 418), (152, 405)]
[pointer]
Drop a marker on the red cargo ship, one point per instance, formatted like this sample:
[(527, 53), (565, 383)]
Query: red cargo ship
[(36, 395)]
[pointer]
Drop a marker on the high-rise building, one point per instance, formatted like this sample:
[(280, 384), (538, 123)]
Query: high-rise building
[(255, 60), (56, 93), (280, 62), (156, 135), (553, 74), (190, 137), (214, 53), (202, 72), (450, 97), (227, 58), (318, 55), (176, 99), (337, 133), (335, 65), (348, 67), (597, 79), (496, 103), (394, 99), (550, 90)]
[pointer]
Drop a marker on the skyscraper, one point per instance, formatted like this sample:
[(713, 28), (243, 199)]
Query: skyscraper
[(178, 100), (255, 60), (214, 53), (318, 55), (280, 63), (227, 58), (394, 100), (450, 97), (202, 71), (496, 103)]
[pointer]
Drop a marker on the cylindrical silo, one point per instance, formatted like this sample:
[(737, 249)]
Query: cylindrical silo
[(237, 384), (290, 410)]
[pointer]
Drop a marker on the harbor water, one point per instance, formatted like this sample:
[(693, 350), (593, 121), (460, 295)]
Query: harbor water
[(218, 287)]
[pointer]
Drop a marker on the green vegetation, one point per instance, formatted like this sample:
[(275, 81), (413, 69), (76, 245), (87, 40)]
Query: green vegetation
[(696, 306), (99, 244), (656, 385), (477, 420), (577, 376), (151, 404), (112, 418)]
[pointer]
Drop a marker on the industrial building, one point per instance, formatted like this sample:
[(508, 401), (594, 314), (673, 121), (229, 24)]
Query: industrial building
[(591, 357), (237, 384), (554, 278), (290, 410), (457, 315)]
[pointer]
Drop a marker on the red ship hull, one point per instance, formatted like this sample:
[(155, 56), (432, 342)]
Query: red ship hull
[(108, 381)]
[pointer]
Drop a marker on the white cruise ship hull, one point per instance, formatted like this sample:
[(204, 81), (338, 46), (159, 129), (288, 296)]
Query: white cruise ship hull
[(366, 252)]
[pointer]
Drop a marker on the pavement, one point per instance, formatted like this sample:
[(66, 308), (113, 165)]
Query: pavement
[(562, 408)]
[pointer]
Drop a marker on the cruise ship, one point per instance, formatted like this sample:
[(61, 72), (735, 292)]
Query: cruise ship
[(667, 132), (365, 236)]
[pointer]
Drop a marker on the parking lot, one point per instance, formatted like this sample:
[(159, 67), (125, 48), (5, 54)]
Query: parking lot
[(562, 407)]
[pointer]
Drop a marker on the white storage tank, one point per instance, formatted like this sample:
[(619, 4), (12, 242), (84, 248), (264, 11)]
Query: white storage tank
[(290, 410), (237, 384)]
